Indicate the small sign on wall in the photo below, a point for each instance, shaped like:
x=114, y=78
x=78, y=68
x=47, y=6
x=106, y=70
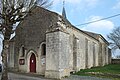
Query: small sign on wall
x=43, y=61
x=21, y=61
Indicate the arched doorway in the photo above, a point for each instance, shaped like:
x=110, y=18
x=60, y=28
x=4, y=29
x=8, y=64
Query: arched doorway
x=33, y=63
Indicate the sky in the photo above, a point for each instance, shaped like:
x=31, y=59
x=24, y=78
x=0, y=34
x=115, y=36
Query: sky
x=82, y=11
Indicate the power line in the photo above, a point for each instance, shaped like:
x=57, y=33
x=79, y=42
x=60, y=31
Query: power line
x=98, y=20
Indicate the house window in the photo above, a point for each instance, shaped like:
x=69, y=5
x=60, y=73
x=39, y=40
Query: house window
x=43, y=49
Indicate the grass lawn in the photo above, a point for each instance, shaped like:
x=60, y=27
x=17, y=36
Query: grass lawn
x=109, y=71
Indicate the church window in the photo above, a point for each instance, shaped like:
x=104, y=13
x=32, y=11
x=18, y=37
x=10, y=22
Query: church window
x=43, y=49
x=22, y=51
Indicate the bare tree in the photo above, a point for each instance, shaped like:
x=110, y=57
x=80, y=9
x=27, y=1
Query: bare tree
x=11, y=12
x=114, y=36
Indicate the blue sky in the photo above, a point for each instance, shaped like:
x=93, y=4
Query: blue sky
x=82, y=11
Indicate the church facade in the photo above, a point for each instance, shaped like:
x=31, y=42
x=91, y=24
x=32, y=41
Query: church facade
x=48, y=44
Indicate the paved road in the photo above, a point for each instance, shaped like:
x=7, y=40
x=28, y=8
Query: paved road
x=13, y=76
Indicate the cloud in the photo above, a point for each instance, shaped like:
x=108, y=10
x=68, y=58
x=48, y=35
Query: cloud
x=91, y=3
x=117, y=6
x=103, y=27
x=73, y=1
x=74, y=6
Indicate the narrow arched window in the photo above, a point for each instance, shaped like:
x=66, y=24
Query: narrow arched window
x=43, y=49
x=22, y=51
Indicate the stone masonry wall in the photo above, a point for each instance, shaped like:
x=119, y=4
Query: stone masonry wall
x=81, y=57
x=57, y=55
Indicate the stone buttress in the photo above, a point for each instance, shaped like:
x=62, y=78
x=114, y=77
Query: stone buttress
x=57, y=51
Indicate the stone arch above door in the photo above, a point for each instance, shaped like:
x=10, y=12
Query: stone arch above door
x=31, y=51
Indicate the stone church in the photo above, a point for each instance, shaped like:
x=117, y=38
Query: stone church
x=46, y=43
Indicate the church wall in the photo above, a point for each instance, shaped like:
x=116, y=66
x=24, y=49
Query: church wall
x=57, y=55
x=31, y=32
x=103, y=54
x=75, y=53
x=40, y=60
x=81, y=57
x=25, y=66
x=71, y=51
x=90, y=54
x=100, y=55
x=107, y=55
x=103, y=59
x=96, y=54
